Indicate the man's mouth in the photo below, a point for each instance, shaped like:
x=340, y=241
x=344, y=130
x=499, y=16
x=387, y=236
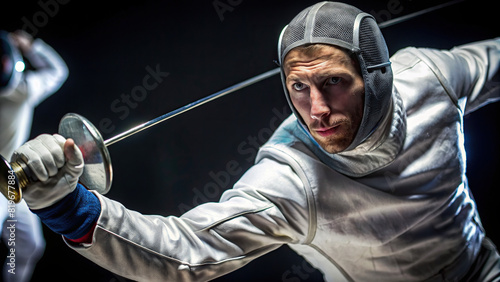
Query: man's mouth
x=327, y=131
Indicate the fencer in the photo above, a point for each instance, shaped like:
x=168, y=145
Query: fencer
x=21, y=90
x=366, y=179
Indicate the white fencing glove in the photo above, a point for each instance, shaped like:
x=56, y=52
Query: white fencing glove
x=56, y=165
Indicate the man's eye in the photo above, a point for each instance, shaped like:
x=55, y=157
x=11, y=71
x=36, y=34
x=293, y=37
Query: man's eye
x=334, y=80
x=298, y=86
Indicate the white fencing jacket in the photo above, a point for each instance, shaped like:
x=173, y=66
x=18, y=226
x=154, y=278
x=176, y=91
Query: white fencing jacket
x=18, y=105
x=396, y=208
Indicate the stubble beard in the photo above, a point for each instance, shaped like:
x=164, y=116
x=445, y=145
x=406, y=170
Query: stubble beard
x=339, y=141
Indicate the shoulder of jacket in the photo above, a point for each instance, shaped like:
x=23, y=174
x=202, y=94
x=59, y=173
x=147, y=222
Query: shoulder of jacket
x=405, y=59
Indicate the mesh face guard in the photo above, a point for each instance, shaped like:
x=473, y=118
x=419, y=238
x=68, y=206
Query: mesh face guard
x=347, y=27
x=9, y=77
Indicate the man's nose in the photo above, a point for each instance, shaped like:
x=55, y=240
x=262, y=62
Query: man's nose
x=319, y=104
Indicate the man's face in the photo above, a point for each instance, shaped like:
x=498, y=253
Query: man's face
x=328, y=92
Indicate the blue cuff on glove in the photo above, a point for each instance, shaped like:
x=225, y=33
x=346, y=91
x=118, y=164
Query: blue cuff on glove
x=74, y=215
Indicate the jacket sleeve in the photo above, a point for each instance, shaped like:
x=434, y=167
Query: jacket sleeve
x=469, y=73
x=50, y=72
x=255, y=217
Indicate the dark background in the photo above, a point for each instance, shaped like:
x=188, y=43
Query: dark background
x=165, y=169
